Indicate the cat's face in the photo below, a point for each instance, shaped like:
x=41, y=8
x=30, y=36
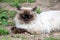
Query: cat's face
x=26, y=16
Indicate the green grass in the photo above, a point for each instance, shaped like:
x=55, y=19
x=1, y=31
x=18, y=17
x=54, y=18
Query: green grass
x=13, y=1
x=5, y=15
x=16, y=3
x=51, y=38
x=3, y=31
x=31, y=1
x=38, y=11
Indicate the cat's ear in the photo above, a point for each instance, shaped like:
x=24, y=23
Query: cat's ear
x=33, y=9
x=18, y=7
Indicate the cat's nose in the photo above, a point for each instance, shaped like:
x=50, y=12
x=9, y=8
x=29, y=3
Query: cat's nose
x=26, y=19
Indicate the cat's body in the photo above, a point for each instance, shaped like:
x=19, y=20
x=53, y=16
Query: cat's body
x=45, y=22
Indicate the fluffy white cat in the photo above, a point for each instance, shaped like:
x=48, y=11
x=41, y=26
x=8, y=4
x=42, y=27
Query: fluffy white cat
x=45, y=22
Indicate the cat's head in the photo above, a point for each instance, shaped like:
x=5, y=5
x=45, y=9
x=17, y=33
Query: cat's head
x=26, y=14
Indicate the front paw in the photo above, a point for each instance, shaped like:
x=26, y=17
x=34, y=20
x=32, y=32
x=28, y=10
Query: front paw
x=17, y=30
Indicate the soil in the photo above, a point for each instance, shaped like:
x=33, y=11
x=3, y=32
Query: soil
x=44, y=6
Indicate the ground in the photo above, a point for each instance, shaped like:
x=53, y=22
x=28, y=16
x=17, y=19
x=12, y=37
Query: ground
x=25, y=36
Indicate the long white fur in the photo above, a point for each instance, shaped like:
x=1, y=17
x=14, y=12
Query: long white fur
x=44, y=22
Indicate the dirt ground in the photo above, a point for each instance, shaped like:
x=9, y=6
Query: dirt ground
x=25, y=36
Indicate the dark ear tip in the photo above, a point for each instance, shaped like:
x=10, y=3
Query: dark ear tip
x=18, y=7
x=34, y=8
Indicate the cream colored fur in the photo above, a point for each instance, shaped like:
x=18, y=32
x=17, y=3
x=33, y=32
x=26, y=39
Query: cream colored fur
x=45, y=22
